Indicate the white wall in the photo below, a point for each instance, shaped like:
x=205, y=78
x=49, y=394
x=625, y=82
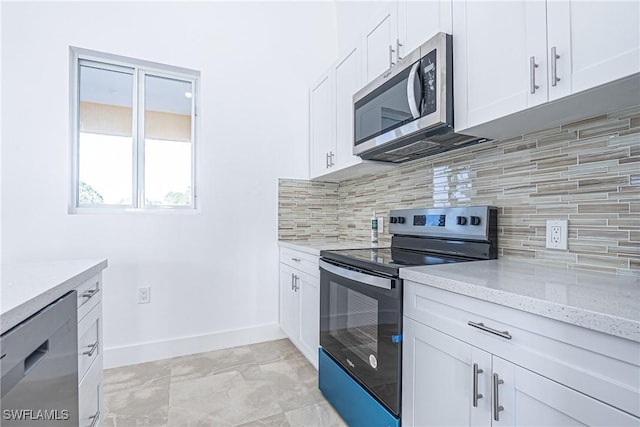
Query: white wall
x=210, y=273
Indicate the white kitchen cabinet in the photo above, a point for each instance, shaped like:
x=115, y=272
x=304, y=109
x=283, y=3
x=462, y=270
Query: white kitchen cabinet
x=333, y=156
x=322, y=138
x=397, y=28
x=300, y=301
x=289, y=302
x=418, y=21
x=512, y=56
x=90, y=368
x=596, y=42
x=379, y=40
x=529, y=399
x=530, y=370
x=437, y=379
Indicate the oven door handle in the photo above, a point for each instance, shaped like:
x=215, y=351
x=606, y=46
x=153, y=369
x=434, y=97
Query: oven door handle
x=380, y=282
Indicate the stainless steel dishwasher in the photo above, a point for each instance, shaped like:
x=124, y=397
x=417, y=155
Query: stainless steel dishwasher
x=39, y=367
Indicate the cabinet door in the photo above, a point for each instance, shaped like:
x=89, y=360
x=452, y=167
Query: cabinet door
x=496, y=42
x=438, y=378
x=289, y=303
x=596, y=41
x=348, y=79
x=530, y=399
x=420, y=20
x=321, y=123
x=379, y=42
x=309, y=295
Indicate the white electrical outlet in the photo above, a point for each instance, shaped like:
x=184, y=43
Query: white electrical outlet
x=144, y=295
x=557, y=232
x=380, y=226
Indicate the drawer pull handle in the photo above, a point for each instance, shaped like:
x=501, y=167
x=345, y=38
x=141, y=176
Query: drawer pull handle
x=92, y=348
x=481, y=326
x=95, y=419
x=476, y=395
x=91, y=292
x=296, y=259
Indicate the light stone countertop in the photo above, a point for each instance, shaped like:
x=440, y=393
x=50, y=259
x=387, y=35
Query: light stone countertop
x=314, y=247
x=603, y=302
x=27, y=288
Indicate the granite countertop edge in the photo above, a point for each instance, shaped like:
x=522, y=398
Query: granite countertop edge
x=15, y=315
x=607, y=323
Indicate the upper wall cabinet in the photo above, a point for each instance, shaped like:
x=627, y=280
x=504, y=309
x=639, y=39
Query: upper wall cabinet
x=397, y=28
x=322, y=142
x=331, y=122
x=510, y=56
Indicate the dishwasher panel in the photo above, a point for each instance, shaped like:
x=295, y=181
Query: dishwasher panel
x=39, y=368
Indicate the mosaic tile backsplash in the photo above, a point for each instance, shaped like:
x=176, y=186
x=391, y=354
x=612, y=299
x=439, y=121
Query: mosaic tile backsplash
x=587, y=172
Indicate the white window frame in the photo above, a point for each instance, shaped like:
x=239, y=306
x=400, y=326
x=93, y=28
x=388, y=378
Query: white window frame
x=139, y=69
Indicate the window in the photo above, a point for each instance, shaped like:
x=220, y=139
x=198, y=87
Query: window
x=133, y=133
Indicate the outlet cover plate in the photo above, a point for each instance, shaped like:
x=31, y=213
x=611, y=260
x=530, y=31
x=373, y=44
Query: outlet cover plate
x=144, y=295
x=380, y=225
x=557, y=233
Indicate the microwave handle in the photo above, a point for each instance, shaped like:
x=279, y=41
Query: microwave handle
x=411, y=95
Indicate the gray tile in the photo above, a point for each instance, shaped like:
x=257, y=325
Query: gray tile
x=272, y=351
x=279, y=420
x=294, y=382
x=315, y=415
x=203, y=364
x=224, y=399
x=144, y=406
x=136, y=376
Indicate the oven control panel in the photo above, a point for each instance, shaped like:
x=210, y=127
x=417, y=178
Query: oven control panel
x=469, y=222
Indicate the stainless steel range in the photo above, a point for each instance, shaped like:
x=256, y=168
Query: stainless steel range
x=361, y=305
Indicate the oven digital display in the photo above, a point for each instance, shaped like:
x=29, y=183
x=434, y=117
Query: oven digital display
x=429, y=220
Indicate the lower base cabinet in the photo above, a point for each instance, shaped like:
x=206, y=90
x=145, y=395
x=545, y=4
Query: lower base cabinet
x=443, y=374
x=455, y=374
x=300, y=301
x=90, y=372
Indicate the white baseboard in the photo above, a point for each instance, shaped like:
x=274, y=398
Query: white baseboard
x=165, y=349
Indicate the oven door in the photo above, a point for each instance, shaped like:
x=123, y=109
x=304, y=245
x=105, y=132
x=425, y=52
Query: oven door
x=361, y=327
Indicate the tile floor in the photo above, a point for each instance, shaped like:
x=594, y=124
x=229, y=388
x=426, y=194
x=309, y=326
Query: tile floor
x=265, y=384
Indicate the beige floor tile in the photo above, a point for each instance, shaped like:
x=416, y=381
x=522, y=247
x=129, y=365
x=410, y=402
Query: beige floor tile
x=136, y=376
x=203, y=364
x=224, y=399
x=320, y=414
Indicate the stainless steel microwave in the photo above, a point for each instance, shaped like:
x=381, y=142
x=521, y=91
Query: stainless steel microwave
x=407, y=112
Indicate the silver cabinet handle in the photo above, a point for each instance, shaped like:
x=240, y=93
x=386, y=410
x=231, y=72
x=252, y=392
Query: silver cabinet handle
x=330, y=154
x=292, y=280
x=411, y=95
x=91, y=292
x=476, y=395
x=496, y=403
x=554, y=69
x=92, y=348
x=532, y=71
x=326, y=161
x=398, y=46
x=295, y=259
x=391, y=51
x=295, y=283
x=481, y=326
x=95, y=419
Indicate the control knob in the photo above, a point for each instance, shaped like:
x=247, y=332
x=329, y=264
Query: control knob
x=461, y=220
x=393, y=219
x=475, y=220
x=400, y=220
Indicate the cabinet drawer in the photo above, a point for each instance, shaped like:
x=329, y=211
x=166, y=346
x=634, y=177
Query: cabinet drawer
x=89, y=340
x=594, y=363
x=300, y=260
x=89, y=295
x=90, y=396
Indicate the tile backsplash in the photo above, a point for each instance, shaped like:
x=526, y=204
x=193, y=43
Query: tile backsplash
x=587, y=172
